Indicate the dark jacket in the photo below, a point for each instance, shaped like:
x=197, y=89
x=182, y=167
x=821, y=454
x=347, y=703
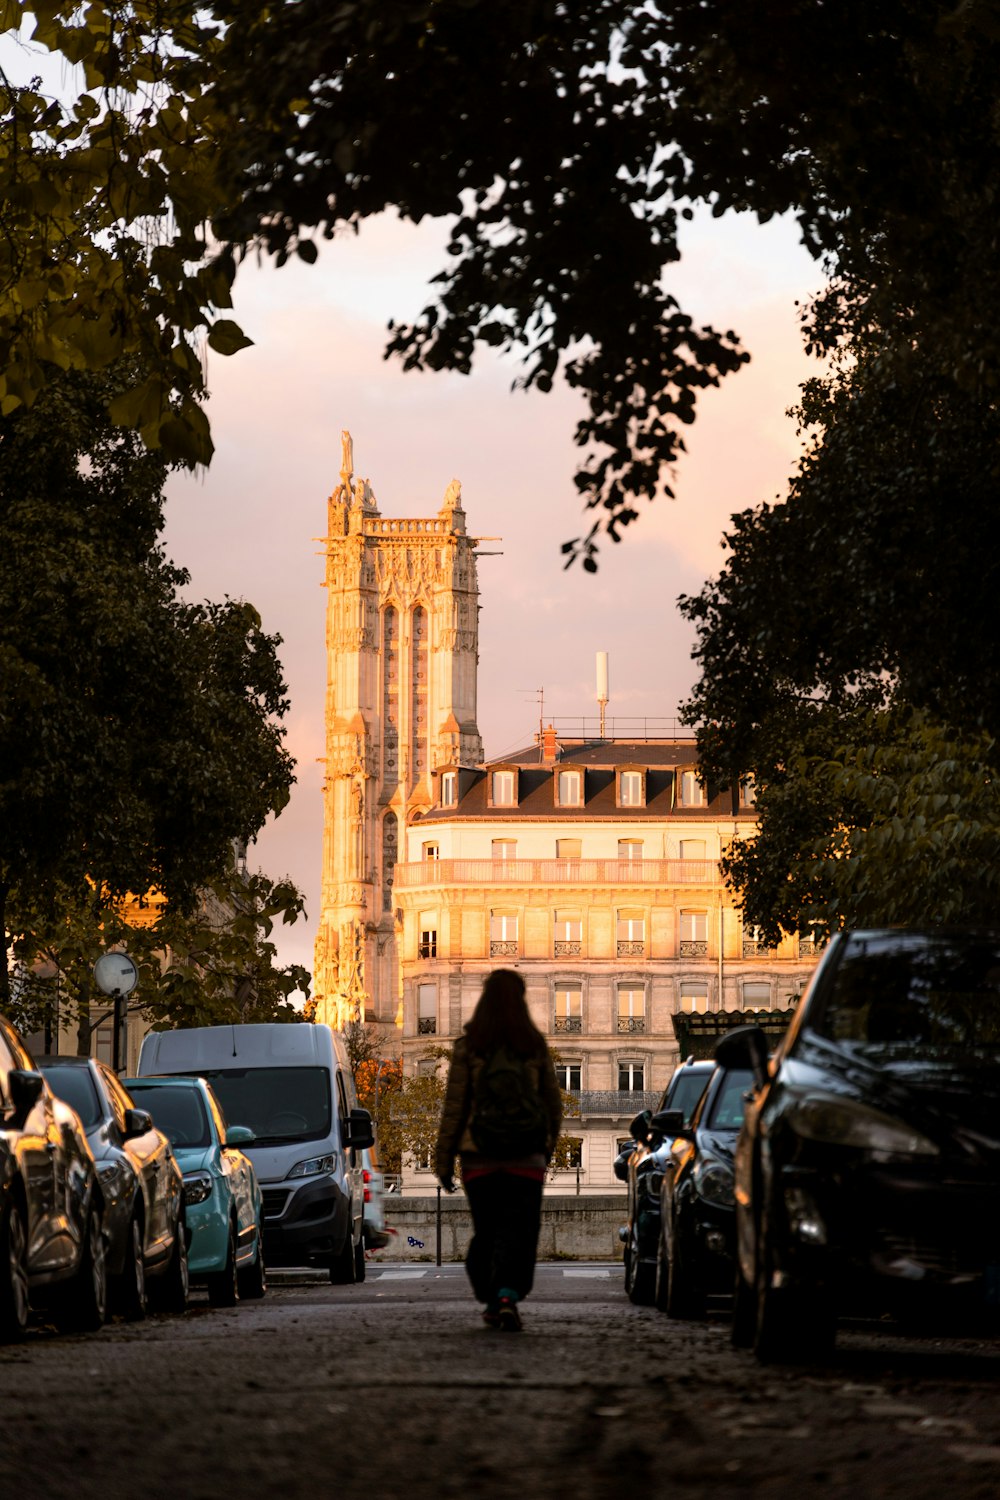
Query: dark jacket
x=454, y=1136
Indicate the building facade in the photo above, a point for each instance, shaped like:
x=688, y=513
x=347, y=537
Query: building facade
x=402, y=641
x=591, y=866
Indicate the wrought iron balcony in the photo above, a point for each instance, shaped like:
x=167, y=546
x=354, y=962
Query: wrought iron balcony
x=567, y=948
x=427, y=1025
x=631, y=1024
x=503, y=948
x=631, y=948
x=694, y=948
x=617, y=1104
x=753, y=949
x=568, y=1023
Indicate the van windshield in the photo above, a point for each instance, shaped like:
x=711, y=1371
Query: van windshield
x=278, y=1104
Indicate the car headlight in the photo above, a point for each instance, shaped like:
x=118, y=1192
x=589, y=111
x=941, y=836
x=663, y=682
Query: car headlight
x=840, y=1122
x=314, y=1165
x=197, y=1186
x=714, y=1182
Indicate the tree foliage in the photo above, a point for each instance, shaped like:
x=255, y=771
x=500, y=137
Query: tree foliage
x=140, y=734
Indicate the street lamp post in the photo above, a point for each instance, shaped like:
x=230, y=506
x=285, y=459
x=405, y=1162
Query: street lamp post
x=115, y=974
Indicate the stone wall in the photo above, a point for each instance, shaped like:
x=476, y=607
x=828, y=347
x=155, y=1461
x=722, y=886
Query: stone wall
x=584, y=1228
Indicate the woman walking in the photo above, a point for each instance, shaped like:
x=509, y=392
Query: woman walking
x=501, y=1115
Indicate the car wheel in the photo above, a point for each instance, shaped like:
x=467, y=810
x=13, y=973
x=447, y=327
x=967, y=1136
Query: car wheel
x=662, y=1274
x=792, y=1324
x=344, y=1270
x=83, y=1304
x=169, y=1292
x=639, y=1277
x=253, y=1279
x=223, y=1286
x=14, y=1301
x=130, y=1291
x=685, y=1297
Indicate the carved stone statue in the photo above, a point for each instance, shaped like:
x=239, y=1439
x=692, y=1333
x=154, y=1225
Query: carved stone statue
x=346, y=455
x=453, y=495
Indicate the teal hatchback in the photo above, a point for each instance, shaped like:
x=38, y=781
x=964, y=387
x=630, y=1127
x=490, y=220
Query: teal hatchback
x=222, y=1200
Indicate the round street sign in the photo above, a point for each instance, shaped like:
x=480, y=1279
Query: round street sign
x=115, y=974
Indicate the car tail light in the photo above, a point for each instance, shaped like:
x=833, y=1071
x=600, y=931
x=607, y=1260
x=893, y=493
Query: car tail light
x=366, y=1178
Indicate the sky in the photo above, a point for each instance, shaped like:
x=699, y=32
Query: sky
x=247, y=527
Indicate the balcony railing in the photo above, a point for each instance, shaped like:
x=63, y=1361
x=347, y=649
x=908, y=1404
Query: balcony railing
x=503, y=947
x=567, y=948
x=619, y=1104
x=493, y=874
x=568, y=1023
x=753, y=949
x=694, y=948
x=631, y=1024
x=427, y=1025
x=631, y=948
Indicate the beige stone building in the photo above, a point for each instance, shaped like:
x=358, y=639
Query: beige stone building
x=402, y=653
x=588, y=861
x=592, y=866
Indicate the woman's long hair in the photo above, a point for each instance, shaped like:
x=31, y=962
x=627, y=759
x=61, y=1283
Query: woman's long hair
x=501, y=1018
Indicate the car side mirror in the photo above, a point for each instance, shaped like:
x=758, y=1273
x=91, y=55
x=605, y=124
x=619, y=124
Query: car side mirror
x=639, y=1128
x=620, y=1168
x=746, y=1047
x=26, y=1089
x=358, y=1130
x=137, y=1122
x=240, y=1135
x=668, y=1123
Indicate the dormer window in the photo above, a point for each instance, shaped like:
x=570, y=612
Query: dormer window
x=631, y=789
x=692, y=791
x=569, y=788
x=449, y=788
x=503, y=788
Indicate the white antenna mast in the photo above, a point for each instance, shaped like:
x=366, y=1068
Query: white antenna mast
x=602, y=685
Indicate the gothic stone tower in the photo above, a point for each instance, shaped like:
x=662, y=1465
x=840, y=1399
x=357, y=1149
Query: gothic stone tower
x=402, y=639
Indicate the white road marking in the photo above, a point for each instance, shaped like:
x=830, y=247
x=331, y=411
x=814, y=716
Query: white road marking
x=595, y=1273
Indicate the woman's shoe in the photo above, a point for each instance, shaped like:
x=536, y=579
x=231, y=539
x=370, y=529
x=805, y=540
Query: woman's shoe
x=509, y=1319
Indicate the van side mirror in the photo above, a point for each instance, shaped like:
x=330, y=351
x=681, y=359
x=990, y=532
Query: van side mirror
x=746, y=1047
x=25, y=1091
x=358, y=1130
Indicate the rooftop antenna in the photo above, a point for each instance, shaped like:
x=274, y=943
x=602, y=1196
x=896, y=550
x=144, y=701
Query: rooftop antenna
x=602, y=685
x=540, y=695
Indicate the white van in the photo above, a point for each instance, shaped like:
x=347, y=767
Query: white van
x=292, y=1086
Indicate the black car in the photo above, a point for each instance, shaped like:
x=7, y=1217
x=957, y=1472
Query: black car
x=694, y=1173
x=868, y=1171
x=51, y=1204
x=142, y=1184
x=638, y=1167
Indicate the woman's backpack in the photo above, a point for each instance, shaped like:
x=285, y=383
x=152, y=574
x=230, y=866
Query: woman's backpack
x=508, y=1118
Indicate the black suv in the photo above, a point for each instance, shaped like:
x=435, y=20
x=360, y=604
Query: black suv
x=52, y=1247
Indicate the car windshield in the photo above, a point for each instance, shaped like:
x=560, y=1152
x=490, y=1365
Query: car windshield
x=179, y=1112
x=278, y=1104
x=75, y=1087
x=727, y=1106
x=687, y=1090
x=916, y=996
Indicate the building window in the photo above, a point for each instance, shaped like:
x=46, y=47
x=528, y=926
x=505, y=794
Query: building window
x=692, y=791
x=449, y=788
x=503, y=934
x=569, y=1008
x=631, y=930
x=754, y=945
x=631, y=792
x=390, y=835
x=811, y=943
x=503, y=849
x=631, y=1008
x=569, y=1155
x=568, y=935
x=568, y=848
x=694, y=996
x=694, y=934
x=426, y=1009
x=629, y=851
x=748, y=792
x=569, y=788
x=427, y=946
x=431, y=851
x=568, y=1076
x=427, y=1067
x=694, y=849
x=631, y=1077
x=756, y=994
x=502, y=788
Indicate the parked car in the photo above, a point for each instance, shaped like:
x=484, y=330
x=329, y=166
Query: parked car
x=222, y=1199
x=291, y=1083
x=868, y=1169
x=142, y=1186
x=375, y=1232
x=51, y=1204
x=694, y=1257
x=640, y=1169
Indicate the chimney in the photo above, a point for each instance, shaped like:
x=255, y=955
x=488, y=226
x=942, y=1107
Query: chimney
x=550, y=749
